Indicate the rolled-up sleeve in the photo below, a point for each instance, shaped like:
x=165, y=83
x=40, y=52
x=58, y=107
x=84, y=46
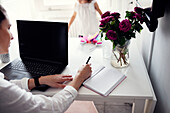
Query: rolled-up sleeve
x=23, y=83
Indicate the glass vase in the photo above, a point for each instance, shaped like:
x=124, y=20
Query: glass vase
x=120, y=55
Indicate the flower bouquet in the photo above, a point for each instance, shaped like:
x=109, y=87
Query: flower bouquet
x=120, y=32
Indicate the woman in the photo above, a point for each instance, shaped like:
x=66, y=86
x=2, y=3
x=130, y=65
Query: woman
x=14, y=97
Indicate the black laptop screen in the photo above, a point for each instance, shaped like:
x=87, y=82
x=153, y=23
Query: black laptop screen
x=42, y=40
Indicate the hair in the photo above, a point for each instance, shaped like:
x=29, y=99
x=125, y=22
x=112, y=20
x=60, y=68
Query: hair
x=2, y=14
x=88, y=1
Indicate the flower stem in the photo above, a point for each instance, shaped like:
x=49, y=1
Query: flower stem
x=121, y=56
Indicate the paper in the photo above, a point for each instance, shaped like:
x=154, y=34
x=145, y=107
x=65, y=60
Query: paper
x=103, y=80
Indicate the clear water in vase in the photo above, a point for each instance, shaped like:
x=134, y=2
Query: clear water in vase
x=120, y=55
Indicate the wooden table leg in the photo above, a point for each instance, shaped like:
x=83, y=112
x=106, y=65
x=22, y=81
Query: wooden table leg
x=138, y=106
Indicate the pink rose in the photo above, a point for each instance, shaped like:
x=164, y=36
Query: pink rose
x=115, y=15
x=105, y=14
x=111, y=35
x=125, y=25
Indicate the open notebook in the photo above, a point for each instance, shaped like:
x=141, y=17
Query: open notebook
x=103, y=80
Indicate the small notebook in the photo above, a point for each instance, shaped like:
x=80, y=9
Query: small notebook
x=103, y=80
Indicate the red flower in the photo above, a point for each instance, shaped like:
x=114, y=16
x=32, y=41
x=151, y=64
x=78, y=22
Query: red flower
x=105, y=14
x=115, y=15
x=125, y=25
x=106, y=20
x=140, y=18
x=102, y=25
x=133, y=15
x=111, y=35
x=138, y=10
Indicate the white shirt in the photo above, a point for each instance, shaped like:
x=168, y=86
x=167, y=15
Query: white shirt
x=14, y=98
x=86, y=19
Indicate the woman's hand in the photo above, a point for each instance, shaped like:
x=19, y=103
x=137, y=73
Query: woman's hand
x=55, y=80
x=82, y=75
x=84, y=72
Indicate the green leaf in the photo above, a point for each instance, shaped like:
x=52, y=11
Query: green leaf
x=138, y=27
x=102, y=34
x=112, y=22
x=122, y=41
x=115, y=42
x=132, y=35
x=114, y=45
x=103, y=29
x=127, y=14
x=106, y=38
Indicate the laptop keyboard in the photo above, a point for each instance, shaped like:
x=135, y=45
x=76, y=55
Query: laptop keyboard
x=34, y=67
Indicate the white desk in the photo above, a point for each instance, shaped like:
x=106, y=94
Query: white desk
x=136, y=89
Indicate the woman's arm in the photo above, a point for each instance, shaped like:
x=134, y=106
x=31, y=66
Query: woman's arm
x=16, y=99
x=56, y=80
x=97, y=8
x=51, y=80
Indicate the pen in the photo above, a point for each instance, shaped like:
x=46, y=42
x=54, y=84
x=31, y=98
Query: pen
x=88, y=59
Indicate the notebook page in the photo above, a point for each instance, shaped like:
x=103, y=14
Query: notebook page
x=105, y=80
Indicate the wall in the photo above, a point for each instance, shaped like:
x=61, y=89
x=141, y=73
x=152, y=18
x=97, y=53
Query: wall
x=145, y=38
x=18, y=9
x=159, y=70
x=144, y=42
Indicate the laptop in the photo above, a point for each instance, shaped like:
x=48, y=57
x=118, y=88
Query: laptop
x=43, y=49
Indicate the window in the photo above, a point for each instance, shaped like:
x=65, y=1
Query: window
x=58, y=2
